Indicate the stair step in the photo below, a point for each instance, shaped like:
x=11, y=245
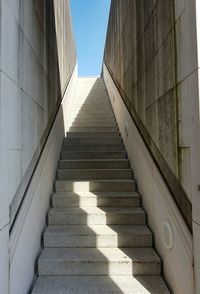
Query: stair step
x=93, y=135
x=93, y=155
x=101, y=261
x=111, y=185
x=100, y=284
x=90, y=147
x=98, y=236
x=87, y=124
x=93, y=141
x=92, y=117
x=92, y=110
x=97, y=239
x=100, y=101
x=93, y=174
x=95, y=129
x=83, y=119
x=101, y=114
x=94, y=163
x=96, y=216
x=100, y=199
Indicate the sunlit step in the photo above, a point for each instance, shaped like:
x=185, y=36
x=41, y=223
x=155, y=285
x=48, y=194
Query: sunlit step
x=98, y=236
x=96, y=116
x=111, y=185
x=101, y=261
x=100, y=284
x=100, y=199
x=96, y=216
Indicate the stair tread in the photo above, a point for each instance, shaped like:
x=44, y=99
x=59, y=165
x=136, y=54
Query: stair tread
x=95, y=169
x=100, y=284
x=103, y=180
x=92, y=228
x=93, y=151
x=96, y=194
x=85, y=230
x=96, y=210
x=95, y=160
x=101, y=254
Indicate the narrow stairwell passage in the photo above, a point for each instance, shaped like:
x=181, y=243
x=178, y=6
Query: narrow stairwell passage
x=97, y=239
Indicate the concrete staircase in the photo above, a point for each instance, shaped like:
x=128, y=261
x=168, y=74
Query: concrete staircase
x=97, y=239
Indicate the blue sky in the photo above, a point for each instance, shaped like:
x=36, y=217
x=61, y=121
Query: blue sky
x=90, y=18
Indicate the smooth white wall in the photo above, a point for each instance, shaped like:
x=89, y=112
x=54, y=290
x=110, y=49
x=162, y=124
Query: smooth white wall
x=25, y=240
x=157, y=201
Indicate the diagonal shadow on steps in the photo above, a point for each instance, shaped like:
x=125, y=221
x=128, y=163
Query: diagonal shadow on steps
x=108, y=243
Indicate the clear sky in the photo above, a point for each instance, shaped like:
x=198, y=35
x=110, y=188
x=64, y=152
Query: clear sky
x=90, y=19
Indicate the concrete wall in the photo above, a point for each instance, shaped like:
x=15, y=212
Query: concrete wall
x=151, y=54
x=25, y=238
x=156, y=199
x=194, y=91
x=37, y=58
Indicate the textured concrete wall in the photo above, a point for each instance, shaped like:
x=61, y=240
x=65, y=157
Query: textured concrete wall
x=151, y=54
x=37, y=57
x=157, y=201
x=140, y=52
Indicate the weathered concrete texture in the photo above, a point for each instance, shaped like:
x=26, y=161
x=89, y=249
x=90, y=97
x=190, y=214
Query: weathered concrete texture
x=35, y=35
x=33, y=43
x=141, y=56
x=156, y=199
x=140, y=52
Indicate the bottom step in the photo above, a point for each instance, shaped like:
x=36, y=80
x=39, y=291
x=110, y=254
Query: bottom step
x=101, y=261
x=100, y=285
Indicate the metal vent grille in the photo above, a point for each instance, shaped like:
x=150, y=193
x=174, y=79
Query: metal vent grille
x=167, y=234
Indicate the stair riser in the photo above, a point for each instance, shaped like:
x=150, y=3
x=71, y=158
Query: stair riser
x=121, y=268
x=69, y=147
x=93, y=202
x=93, y=155
x=93, y=135
x=92, y=118
x=89, y=108
x=96, y=219
x=122, y=164
x=92, y=110
x=87, y=141
x=100, y=241
x=78, y=174
x=92, y=102
x=62, y=186
x=100, y=284
x=101, y=114
x=90, y=129
x=94, y=124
